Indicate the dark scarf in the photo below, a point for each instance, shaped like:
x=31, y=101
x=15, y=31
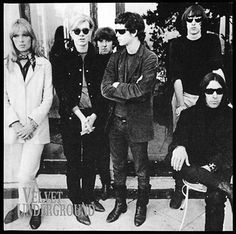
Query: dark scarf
x=30, y=56
x=30, y=61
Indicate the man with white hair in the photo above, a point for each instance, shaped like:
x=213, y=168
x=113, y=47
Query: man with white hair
x=79, y=95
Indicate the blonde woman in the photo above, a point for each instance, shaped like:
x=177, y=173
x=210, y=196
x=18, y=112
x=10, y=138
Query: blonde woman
x=27, y=100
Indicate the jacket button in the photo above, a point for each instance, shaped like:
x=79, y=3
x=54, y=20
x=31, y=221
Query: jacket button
x=80, y=69
x=79, y=96
x=86, y=70
x=80, y=83
x=70, y=118
x=88, y=83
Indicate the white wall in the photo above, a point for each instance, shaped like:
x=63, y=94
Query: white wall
x=106, y=14
x=11, y=13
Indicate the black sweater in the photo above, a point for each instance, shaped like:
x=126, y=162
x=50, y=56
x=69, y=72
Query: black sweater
x=190, y=60
x=206, y=133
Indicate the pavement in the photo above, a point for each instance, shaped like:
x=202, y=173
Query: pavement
x=160, y=217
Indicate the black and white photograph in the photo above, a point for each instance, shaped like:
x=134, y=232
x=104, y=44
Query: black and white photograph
x=118, y=116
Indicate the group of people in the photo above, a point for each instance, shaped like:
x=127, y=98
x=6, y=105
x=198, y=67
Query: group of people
x=106, y=107
x=201, y=149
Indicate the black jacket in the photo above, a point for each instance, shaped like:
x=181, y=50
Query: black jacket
x=68, y=72
x=99, y=67
x=137, y=96
x=191, y=60
x=206, y=133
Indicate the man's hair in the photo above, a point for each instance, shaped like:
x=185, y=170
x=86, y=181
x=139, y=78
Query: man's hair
x=81, y=19
x=105, y=33
x=205, y=82
x=132, y=22
x=194, y=10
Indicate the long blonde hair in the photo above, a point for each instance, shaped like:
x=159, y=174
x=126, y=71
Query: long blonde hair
x=13, y=52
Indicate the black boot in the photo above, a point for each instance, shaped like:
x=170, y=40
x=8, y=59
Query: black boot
x=120, y=205
x=227, y=188
x=12, y=215
x=35, y=220
x=105, y=191
x=177, y=197
x=214, y=215
x=141, y=207
x=97, y=206
x=80, y=214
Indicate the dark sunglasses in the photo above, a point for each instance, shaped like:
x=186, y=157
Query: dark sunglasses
x=120, y=31
x=77, y=31
x=197, y=19
x=211, y=91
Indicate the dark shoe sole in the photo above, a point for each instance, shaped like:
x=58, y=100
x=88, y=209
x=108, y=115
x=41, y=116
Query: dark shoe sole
x=11, y=216
x=139, y=224
x=175, y=203
x=99, y=207
x=113, y=220
x=176, y=207
x=35, y=225
x=82, y=221
x=98, y=210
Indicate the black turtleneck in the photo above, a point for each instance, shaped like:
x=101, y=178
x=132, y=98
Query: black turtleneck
x=206, y=134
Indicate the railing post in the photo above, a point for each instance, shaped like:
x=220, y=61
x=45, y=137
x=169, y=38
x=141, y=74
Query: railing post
x=24, y=9
x=94, y=14
x=120, y=8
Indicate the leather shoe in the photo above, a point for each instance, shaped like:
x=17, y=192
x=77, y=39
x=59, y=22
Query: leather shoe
x=120, y=207
x=80, y=214
x=12, y=215
x=35, y=220
x=176, y=200
x=140, y=215
x=97, y=206
x=105, y=192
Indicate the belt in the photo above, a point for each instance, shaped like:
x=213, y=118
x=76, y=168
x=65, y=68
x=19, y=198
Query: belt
x=122, y=119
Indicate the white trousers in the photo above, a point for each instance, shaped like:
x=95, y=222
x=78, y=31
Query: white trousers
x=189, y=100
x=28, y=167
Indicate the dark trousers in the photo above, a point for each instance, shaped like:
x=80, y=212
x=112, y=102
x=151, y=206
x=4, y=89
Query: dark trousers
x=103, y=158
x=80, y=152
x=119, y=143
x=215, y=199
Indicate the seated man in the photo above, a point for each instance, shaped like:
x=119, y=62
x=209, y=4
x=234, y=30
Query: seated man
x=202, y=147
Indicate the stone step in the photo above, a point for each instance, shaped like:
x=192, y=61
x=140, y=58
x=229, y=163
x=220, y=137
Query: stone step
x=58, y=181
x=58, y=166
x=162, y=187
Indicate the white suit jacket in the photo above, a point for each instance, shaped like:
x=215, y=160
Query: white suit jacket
x=30, y=98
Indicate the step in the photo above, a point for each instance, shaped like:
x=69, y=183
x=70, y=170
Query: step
x=58, y=181
x=162, y=187
x=58, y=166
